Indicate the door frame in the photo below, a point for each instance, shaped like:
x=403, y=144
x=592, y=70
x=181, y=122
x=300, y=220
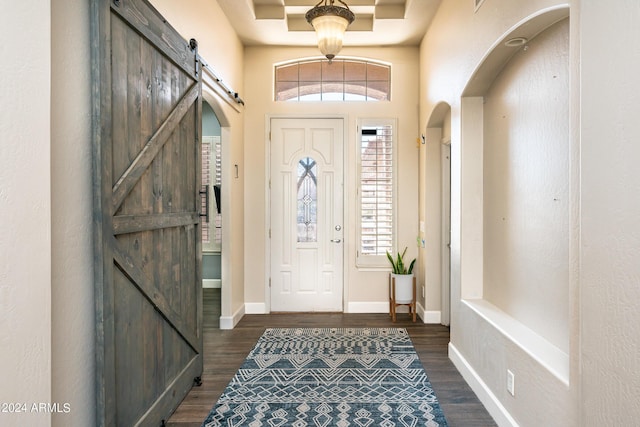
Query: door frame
x=446, y=230
x=216, y=102
x=346, y=177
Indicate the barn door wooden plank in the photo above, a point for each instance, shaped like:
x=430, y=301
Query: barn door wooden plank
x=151, y=149
x=146, y=139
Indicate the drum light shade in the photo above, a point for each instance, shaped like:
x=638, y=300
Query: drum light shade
x=330, y=23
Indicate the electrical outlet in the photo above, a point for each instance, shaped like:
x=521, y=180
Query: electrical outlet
x=511, y=383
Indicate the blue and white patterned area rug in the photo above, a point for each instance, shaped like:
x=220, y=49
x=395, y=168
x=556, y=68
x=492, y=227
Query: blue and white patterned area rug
x=325, y=377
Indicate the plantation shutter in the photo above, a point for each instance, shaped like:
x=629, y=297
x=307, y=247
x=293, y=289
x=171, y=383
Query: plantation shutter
x=206, y=186
x=376, y=190
x=212, y=179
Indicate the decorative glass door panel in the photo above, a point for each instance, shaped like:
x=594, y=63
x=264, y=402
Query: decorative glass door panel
x=307, y=201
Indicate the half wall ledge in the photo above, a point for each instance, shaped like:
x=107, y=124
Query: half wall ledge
x=548, y=355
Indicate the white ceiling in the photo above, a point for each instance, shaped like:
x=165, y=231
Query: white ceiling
x=282, y=22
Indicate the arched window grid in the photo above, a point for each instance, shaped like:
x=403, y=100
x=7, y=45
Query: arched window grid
x=346, y=79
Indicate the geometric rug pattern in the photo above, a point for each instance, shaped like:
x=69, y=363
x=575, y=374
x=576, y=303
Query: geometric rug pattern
x=321, y=377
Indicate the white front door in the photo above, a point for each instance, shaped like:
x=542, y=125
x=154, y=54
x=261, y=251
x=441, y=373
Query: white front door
x=306, y=203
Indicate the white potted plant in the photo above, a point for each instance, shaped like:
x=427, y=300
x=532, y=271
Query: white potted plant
x=403, y=277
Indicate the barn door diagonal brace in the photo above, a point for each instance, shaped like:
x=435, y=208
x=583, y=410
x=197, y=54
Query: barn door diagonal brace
x=144, y=158
x=160, y=303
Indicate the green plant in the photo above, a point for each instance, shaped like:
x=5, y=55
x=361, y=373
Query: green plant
x=398, y=265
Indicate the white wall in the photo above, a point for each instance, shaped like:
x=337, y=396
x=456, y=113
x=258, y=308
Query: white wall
x=25, y=209
x=366, y=287
x=610, y=213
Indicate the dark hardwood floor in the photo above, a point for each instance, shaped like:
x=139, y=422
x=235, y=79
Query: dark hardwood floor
x=225, y=350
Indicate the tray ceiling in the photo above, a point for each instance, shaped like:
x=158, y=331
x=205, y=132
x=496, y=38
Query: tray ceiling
x=282, y=22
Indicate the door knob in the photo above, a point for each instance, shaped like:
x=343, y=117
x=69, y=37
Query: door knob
x=336, y=240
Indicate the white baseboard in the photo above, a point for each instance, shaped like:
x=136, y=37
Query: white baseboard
x=212, y=283
x=229, y=322
x=383, y=307
x=368, y=307
x=255, y=308
x=356, y=307
x=480, y=388
x=434, y=317
x=431, y=316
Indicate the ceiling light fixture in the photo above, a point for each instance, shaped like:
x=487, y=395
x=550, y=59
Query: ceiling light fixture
x=330, y=22
x=516, y=42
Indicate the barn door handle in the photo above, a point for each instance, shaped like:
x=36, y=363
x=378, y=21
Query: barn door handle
x=205, y=193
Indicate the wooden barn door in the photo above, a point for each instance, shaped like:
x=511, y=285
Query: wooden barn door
x=147, y=121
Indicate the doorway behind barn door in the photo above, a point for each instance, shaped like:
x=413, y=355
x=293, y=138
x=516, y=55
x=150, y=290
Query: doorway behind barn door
x=212, y=204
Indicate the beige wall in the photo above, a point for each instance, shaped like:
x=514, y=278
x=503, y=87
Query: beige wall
x=609, y=220
x=366, y=287
x=72, y=355
x=218, y=43
x=25, y=209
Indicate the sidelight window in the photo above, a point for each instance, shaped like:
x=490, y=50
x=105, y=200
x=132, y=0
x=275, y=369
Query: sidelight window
x=376, y=191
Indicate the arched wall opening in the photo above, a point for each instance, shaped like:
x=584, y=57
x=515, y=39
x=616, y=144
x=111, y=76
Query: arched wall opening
x=515, y=198
x=216, y=264
x=435, y=208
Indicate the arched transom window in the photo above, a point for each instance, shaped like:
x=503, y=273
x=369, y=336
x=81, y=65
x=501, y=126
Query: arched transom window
x=338, y=80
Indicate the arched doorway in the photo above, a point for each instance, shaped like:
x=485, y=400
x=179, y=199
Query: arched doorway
x=436, y=205
x=216, y=130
